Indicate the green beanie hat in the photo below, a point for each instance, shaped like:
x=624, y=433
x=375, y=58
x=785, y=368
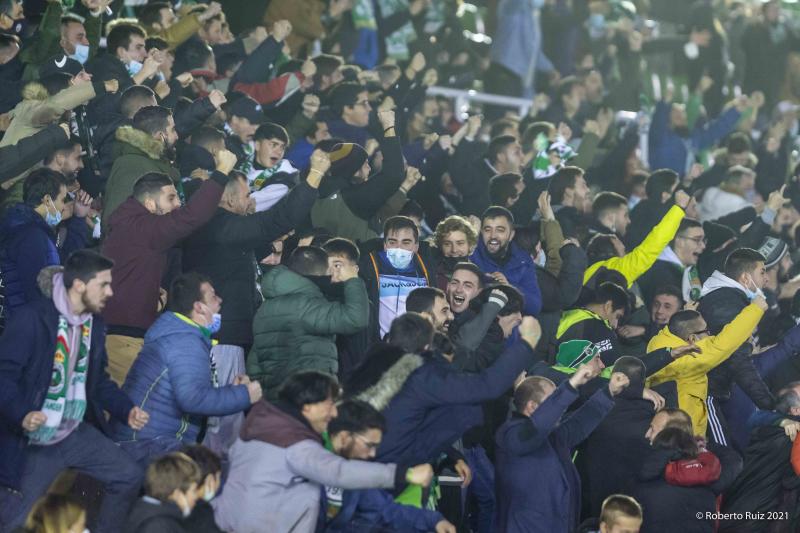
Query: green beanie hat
x=574, y=353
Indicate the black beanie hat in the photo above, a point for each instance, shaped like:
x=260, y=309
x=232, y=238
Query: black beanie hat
x=717, y=234
x=346, y=159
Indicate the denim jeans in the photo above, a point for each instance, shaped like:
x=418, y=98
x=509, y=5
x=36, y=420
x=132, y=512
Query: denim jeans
x=481, y=488
x=88, y=451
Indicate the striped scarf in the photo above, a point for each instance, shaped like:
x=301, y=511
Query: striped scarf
x=65, y=400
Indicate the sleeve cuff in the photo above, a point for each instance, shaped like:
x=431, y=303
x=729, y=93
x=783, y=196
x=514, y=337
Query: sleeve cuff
x=99, y=87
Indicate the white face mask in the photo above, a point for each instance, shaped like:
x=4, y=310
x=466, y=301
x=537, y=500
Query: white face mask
x=134, y=67
x=399, y=257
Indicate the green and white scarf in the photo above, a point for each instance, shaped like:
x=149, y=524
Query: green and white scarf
x=397, y=42
x=65, y=400
x=363, y=15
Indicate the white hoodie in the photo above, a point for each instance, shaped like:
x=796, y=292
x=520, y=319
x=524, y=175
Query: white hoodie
x=718, y=280
x=717, y=203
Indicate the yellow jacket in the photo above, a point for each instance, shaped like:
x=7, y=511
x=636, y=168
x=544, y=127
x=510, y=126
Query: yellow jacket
x=691, y=373
x=640, y=259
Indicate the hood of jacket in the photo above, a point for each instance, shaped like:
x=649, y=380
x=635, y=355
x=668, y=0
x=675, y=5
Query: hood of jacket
x=718, y=280
x=45, y=279
x=277, y=424
x=171, y=325
x=17, y=216
x=35, y=91
x=140, y=141
x=391, y=380
x=280, y=281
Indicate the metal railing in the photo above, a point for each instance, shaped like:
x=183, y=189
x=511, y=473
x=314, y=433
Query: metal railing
x=463, y=97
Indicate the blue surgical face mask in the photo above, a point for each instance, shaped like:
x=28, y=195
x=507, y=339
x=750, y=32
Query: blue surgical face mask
x=216, y=323
x=399, y=258
x=134, y=67
x=208, y=494
x=81, y=54
x=751, y=294
x=52, y=219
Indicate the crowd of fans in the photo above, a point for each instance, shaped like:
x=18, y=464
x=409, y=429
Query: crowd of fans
x=258, y=277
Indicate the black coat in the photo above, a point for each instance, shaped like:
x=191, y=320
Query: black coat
x=661, y=274
x=644, y=217
x=766, y=478
x=104, y=139
x=148, y=517
x=17, y=158
x=558, y=293
x=719, y=308
x=202, y=519
x=573, y=223
x=471, y=173
x=614, y=453
x=103, y=68
x=670, y=508
x=224, y=248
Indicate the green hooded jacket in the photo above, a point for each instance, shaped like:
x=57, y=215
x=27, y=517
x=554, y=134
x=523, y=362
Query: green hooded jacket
x=295, y=328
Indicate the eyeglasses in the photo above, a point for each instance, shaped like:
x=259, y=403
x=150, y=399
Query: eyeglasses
x=697, y=240
x=369, y=444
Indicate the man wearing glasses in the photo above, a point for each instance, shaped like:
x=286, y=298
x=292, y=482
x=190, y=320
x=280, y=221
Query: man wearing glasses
x=350, y=103
x=356, y=434
x=691, y=373
x=677, y=264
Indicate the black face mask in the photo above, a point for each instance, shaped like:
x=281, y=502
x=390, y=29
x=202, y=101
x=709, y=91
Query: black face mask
x=451, y=262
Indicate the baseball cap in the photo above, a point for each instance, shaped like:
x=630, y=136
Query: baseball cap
x=58, y=64
x=246, y=107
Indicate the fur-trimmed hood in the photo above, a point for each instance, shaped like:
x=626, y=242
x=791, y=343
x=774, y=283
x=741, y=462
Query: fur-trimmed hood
x=45, y=279
x=35, y=91
x=142, y=141
x=381, y=393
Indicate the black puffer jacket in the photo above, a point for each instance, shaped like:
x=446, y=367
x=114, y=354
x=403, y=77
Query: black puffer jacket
x=671, y=508
x=767, y=483
x=719, y=307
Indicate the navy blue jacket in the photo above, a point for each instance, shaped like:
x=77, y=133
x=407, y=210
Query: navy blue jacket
x=27, y=245
x=171, y=380
x=27, y=350
x=519, y=269
x=438, y=403
x=537, y=486
x=670, y=150
x=365, y=511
